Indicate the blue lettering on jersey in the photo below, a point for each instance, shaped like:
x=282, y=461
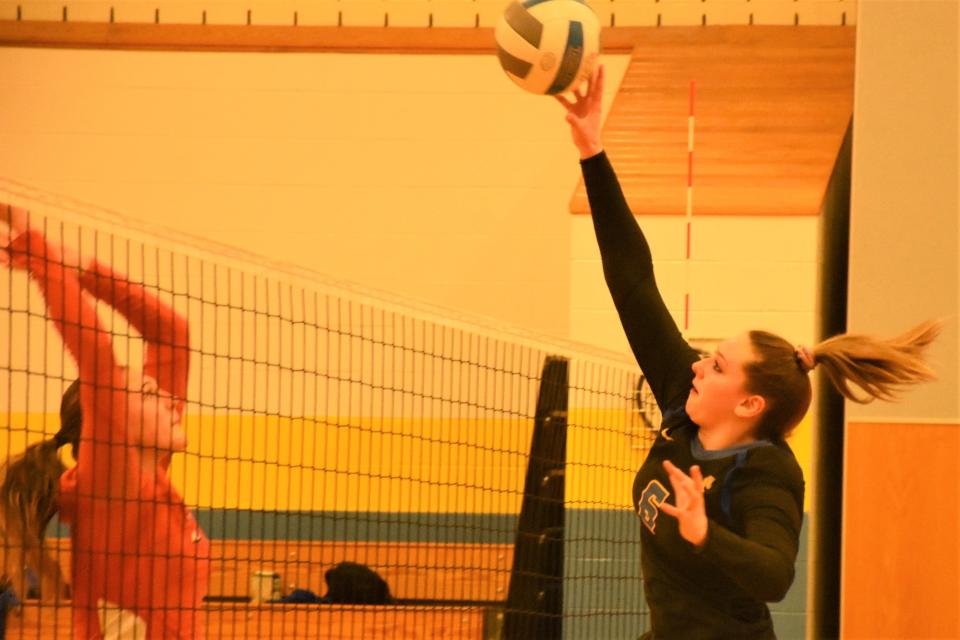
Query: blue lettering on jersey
x=651, y=499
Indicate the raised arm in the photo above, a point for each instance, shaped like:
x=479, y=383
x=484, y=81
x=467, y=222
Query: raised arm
x=166, y=333
x=660, y=349
x=77, y=321
x=662, y=353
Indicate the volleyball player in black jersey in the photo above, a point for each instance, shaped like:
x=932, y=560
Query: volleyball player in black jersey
x=720, y=494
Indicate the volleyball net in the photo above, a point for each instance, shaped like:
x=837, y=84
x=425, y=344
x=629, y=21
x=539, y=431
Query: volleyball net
x=482, y=472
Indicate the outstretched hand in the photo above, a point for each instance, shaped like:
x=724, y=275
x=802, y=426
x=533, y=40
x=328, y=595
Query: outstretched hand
x=584, y=114
x=14, y=221
x=690, y=511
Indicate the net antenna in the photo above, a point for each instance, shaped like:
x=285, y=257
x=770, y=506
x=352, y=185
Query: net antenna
x=534, y=607
x=645, y=404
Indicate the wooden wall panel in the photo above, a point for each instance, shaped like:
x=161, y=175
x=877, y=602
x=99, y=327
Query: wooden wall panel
x=413, y=570
x=318, y=622
x=275, y=38
x=901, y=547
x=771, y=107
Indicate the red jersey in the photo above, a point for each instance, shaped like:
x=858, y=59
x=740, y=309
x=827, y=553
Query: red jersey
x=135, y=544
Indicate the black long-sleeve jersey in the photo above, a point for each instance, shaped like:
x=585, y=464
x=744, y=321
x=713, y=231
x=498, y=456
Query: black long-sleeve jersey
x=753, y=493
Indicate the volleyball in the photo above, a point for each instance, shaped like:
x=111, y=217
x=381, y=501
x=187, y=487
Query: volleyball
x=545, y=46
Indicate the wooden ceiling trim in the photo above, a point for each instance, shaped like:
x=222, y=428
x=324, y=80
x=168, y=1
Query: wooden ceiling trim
x=271, y=38
x=772, y=106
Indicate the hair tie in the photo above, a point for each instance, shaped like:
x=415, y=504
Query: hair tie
x=805, y=359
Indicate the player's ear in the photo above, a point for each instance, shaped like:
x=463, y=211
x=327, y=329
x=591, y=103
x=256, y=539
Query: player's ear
x=750, y=407
x=149, y=385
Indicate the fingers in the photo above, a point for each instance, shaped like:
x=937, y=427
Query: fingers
x=670, y=510
x=15, y=218
x=688, y=505
x=677, y=477
x=5, y=259
x=697, y=476
x=675, y=481
x=596, y=83
x=694, y=479
x=681, y=492
x=690, y=488
x=566, y=103
x=675, y=472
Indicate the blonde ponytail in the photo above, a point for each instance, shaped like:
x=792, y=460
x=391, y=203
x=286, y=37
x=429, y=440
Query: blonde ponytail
x=877, y=367
x=29, y=491
x=28, y=499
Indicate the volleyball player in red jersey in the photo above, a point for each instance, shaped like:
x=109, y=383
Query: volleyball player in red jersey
x=139, y=561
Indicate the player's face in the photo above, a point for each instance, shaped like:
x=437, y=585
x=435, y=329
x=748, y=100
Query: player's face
x=154, y=415
x=719, y=383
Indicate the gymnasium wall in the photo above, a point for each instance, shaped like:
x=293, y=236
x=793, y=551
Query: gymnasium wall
x=429, y=176
x=901, y=569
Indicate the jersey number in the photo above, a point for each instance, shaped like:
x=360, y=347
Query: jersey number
x=650, y=501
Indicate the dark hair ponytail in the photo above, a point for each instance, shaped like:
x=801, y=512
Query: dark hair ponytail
x=71, y=419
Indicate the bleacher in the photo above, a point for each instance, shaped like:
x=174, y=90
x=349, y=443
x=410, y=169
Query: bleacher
x=449, y=591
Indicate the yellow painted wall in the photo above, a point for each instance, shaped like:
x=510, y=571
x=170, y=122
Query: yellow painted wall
x=342, y=463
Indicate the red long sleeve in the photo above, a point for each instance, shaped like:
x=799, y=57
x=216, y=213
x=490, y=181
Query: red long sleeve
x=134, y=543
x=76, y=319
x=166, y=333
x=103, y=432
